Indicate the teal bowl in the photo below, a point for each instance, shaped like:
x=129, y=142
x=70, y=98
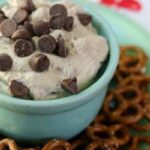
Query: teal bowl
x=39, y=121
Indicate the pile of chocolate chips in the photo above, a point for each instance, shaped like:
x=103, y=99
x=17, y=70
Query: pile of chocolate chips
x=20, y=30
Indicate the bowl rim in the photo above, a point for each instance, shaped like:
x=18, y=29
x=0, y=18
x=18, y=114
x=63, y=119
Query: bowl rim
x=83, y=96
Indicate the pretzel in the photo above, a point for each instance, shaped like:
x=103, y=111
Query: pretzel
x=132, y=114
x=8, y=143
x=146, y=103
x=104, y=120
x=135, y=50
x=12, y=145
x=98, y=132
x=57, y=144
x=101, y=146
x=126, y=112
x=36, y=148
x=146, y=99
x=113, y=105
x=120, y=75
x=132, y=63
x=29, y=149
x=130, y=93
x=120, y=133
x=146, y=107
x=141, y=81
x=147, y=111
x=80, y=143
x=113, y=135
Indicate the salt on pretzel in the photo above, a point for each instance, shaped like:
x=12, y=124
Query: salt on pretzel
x=132, y=63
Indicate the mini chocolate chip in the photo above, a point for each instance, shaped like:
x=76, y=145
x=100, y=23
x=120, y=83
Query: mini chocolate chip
x=69, y=23
x=47, y=44
x=58, y=9
x=28, y=5
x=41, y=28
x=8, y=27
x=21, y=34
x=5, y=62
x=85, y=19
x=2, y=18
x=23, y=48
x=1, y=12
x=29, y=27
x=20, y=16
x=21, y=27
x=57, y=22
x=39, y=63
x=70, y=85
x=61, y=50
x=19, y=90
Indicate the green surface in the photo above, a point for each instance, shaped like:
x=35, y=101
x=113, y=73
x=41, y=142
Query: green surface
x=127, y=33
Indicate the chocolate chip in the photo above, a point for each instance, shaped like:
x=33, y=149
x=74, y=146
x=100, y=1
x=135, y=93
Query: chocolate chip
x=5, y=62
x=29, y=27
x=21, y=27
x=69, y=23
x=2, y=18
x=39, y=63
x=61, y=50
x=1, y=12
x=57, y=22
x=8, y=27
x=28, y=5
x=85, y=19
x=21, y=34
x=20, y=16
x=19, y=90
x=47, y=44
x=70, y=85
x=23, y=48
x=41, y=28
x=58, y=9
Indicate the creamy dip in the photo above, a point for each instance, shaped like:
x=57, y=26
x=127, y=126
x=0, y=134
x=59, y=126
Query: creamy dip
x=87, y=52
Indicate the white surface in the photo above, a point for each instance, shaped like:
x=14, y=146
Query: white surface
x=140, y=16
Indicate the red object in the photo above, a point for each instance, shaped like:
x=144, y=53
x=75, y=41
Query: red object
x=130, y=4
x=108, y=2
x=133, y=5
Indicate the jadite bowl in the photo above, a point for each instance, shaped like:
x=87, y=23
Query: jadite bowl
x=38, y=121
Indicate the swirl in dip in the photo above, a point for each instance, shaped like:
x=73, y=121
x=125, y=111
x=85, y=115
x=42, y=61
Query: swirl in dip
x=47, y=49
